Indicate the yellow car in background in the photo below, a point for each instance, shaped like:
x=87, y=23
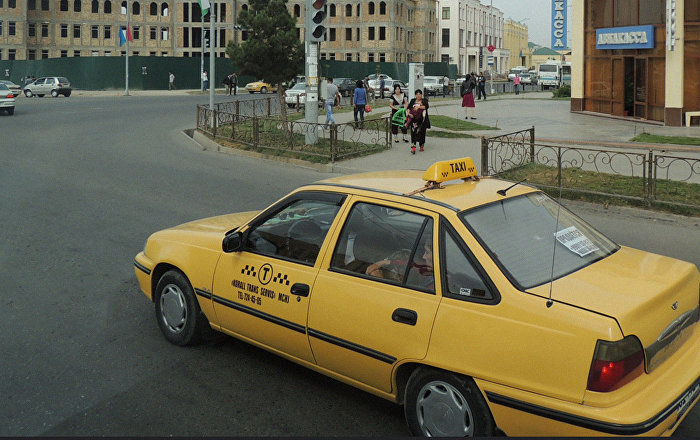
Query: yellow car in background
x=260, y=87
x=482, y=306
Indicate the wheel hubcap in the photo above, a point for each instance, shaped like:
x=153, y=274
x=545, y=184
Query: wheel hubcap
x=443, y=411
x=173, y=310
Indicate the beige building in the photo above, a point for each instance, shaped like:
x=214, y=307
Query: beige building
x=515, y=39
x=392, y=30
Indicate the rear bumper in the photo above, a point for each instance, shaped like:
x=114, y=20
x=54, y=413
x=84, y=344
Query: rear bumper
x=7, y=104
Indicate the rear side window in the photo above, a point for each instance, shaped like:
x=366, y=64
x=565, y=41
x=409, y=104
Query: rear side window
x=462, y=279
x=63, y=80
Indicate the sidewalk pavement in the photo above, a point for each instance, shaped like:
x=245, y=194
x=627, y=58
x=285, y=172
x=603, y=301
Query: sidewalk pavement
x=552, y=119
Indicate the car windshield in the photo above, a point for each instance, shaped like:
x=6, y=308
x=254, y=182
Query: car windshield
x=299, y=86
x=548, y=68
x=3, y=87
x=430, y=80
x=338, y=81
x=534, y=240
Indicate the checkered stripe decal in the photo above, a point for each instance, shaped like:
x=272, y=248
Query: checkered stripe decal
x=249, y=270
x=281, y=279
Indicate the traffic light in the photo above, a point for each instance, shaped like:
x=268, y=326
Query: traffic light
x=316, y=20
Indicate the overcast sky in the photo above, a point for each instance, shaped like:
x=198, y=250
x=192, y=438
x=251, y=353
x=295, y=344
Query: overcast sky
x=536, y=14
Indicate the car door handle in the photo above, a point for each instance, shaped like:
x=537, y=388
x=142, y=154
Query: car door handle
x=405, y=316
x=300, y=289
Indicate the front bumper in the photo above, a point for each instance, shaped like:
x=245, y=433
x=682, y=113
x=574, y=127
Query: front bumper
x=143, y=268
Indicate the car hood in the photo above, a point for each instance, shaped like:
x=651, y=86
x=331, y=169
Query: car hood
x=644, y=292
x=207, y=232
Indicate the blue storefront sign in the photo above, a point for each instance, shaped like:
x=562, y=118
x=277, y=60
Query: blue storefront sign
x=559, y=24
x=630, y=37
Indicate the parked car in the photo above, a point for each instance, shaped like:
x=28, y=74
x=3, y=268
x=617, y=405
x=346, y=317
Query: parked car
x=48, y=85
x=389, y=88
x=516, y=70
x=432, y=85
x=534, y=77
x=7, y=99
x=290, y=95
x=260, y=87
x=525, y=78
x=16, y=90
x=375, y=80
x=481, y=305
x=346, y=86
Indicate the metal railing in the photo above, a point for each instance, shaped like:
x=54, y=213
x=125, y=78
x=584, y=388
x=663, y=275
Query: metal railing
x=270, y=134
x=652, y=168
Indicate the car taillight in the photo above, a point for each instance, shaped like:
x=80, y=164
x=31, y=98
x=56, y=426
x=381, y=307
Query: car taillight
x=615, y=364
x=10, y=96
x=59, y=84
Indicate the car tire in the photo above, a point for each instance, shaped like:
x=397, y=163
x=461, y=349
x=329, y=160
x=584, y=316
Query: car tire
x=28, y=93
x=67, y=94
x=263, y=90
x=442, y=404
x=177, y=310
x=54, y=93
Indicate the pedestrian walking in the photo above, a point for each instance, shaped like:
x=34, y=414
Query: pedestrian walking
x=234, y=83
x=399, y=101
x=481, y=86
x=171, y=81
x=516, y=81
x=205, y=81
x=331, y=98
x=368, y=90
x=417, y=120
x=467, y=92
x=359, y=98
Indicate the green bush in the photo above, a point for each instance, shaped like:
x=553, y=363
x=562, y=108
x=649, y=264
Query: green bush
x=562, y=92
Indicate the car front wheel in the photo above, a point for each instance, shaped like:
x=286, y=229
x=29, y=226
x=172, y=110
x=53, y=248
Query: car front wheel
x=177, y=310
x=28, y=93
x=263, y=90
x=443, y=404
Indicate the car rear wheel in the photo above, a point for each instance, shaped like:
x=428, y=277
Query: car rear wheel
x=28, y=93
x=67, y=94
x=54, y=93
x=177, y=310
x=263, y=90
x=443, y=404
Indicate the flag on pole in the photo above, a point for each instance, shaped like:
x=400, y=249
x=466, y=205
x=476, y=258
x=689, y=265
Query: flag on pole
x=204, y=6
x=125, y=35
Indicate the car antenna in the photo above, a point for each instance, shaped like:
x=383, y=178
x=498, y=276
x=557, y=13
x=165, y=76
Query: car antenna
x=502, y=192
x=554, y=252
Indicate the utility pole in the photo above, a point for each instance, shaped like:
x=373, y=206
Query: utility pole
x=212, y=60
x=314, y=34
x=126, y=74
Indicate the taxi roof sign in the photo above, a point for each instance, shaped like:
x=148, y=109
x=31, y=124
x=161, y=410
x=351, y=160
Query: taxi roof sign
x=445, y=170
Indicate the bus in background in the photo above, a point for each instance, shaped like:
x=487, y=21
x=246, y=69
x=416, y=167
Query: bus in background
x=554, y=74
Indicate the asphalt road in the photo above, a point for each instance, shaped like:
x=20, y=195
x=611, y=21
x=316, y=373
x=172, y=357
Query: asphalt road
x=84, y=181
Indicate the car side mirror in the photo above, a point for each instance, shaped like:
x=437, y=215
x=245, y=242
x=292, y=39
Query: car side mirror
x=232, y=242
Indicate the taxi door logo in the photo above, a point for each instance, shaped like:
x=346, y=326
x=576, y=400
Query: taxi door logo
x=265, y=274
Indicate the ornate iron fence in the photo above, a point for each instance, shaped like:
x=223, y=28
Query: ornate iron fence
x=650, y=171
x=300, y=139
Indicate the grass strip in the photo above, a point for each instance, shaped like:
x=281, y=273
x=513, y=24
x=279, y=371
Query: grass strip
x=454, y=124
x=448, y=134
x=659, y=139
x=613, y=186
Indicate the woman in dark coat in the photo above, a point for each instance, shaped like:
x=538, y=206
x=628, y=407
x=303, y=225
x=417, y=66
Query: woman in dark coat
x=467, y=91
x=418, y=120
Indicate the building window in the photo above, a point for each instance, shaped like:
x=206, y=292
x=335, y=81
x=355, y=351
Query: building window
x=44, y=54
x=323, y=55
x=12, y=4
x=186, y=12
x=31, y=29
x=164, y=34
x=108, y=53
x=382, y=8
x=136, y=9
x=153, y=9
x=371, y=33
x=371, y=8
x=31, y=5
x=297, y=11
x=77, y=6
x=445, y=38
x=11, y=54
x=152, y=53
x=165, y=11
x=332, y=11
x=357, y=35
x=0, y=28
x=152, y=33
x=64, y=54
x=446, y=13
x=11, y=28
x=358, y=10
x=94, y=31
x=64, y=31
x=348, y=57
x=370, y=57
x=382, y=57
x=123, y=8
x=44, y=5
x=31, y=54
x=348, y=10
x=348, y=35
x=332, y=34
x=331, y=56
x=63, y=5
x=108, y=32
x=76, y=53
x=382, y=33
x=136, y=33
x=44, y=30
x=95, y=7
x=108, y=7
x=76, y=31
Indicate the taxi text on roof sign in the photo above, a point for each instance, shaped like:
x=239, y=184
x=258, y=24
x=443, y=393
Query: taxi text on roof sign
x=445, y=170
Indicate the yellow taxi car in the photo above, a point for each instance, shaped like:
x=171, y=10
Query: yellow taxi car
x=480, y=305
x=260, y=87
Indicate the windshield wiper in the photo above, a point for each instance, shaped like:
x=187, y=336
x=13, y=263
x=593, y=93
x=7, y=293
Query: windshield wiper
x=502, y=192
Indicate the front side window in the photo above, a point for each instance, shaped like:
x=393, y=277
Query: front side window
x=388, y=244
x=534, y=240
x=296, y=230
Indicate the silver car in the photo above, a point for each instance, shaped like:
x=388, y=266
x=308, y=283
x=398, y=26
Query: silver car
x=16, y=90
x=7, y=99
x=53, y=85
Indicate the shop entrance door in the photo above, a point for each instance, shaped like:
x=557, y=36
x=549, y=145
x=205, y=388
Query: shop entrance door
x=635, y=91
